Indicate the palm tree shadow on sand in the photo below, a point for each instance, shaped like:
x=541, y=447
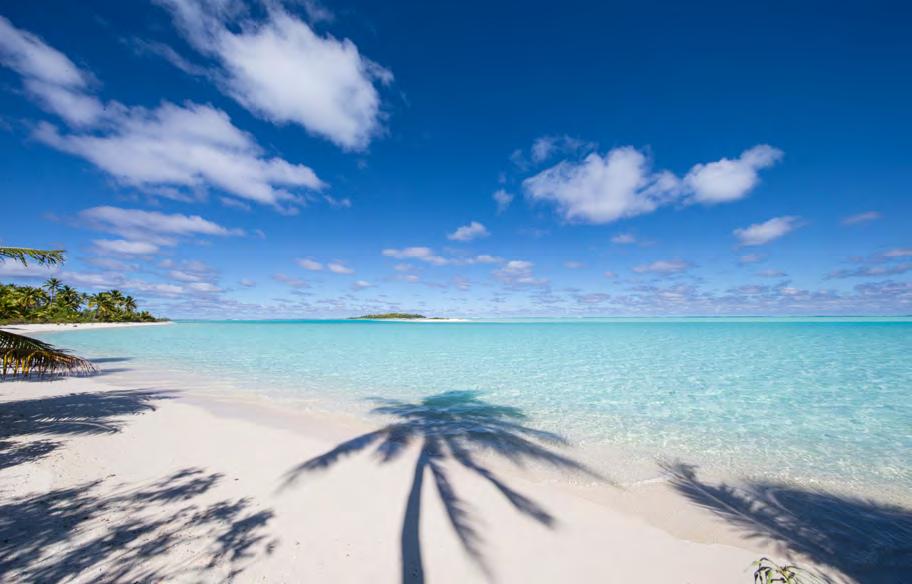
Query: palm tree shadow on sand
x=453, y=425
x=867, y=541
x=164, y=530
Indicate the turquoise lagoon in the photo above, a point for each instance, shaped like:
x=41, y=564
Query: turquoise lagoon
x=819, y=401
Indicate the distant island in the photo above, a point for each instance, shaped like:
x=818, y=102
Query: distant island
x=395, y=316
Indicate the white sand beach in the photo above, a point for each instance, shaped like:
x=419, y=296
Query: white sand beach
x=27, y=329
x=129, y=476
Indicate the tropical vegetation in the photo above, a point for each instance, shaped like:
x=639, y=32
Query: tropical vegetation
x=55, y=301
x=769, y=572
x=20, y=355
x=391, y=316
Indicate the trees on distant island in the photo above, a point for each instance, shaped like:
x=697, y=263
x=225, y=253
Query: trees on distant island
x=54, y=301
x=390, y=316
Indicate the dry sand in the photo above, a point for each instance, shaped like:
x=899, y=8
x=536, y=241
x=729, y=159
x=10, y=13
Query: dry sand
x=26, y=329
x=132, y=477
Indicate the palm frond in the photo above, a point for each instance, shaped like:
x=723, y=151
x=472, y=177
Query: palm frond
x=769, y=572
x=39, y=256
x=20, y=355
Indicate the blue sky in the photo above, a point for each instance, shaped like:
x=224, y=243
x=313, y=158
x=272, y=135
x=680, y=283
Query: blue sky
x=297, y=159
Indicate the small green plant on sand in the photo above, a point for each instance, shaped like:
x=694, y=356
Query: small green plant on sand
x=769, y=572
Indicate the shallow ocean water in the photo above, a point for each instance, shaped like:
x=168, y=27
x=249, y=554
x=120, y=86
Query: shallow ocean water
x=817, y=401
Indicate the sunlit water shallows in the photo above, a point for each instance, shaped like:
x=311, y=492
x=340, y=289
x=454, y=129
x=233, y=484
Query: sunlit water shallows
x=818, y=401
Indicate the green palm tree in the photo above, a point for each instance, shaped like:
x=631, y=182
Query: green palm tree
x=52, y=286
x=10, y=302
x=70, y=298
x=117, y=297
x=33, y=298
x=129, y=304
x=103, y=303
x=118, y=307
x=27, y=356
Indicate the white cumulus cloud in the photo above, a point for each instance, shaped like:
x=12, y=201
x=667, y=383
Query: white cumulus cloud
x=125, y=247
x=622, y=183
x=15, y=269
x=623, y=239
x=151, y=227
x=898, y=252
x=602, y=189
x=204, y=287
x=503, y=199
x=729, y=180
x=291, y=280
x=865, y=217
x=309, y=264
x=518, y=273
x=184, y=276
x=339, y=268
x=162, y=150
x=190, y=146
x=545, y=147
x=282, y=71
x=663, y=267
x=473, y=230
x=424, y=254
x=48, y=75
x=763, y=233
x=751, y=258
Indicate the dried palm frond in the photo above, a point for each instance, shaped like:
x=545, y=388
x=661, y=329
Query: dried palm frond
x=25, y=356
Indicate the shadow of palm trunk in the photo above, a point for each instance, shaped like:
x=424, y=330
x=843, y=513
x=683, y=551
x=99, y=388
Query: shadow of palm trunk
x=451, y=426
x=412, y=562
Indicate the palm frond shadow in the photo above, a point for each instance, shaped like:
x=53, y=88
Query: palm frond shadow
x=15, y=453
x=126, y=532
x=95, y=412
x=94, y=374
x=865, y=540
x=451, y=426
x=26, y=426
x=110, y=359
